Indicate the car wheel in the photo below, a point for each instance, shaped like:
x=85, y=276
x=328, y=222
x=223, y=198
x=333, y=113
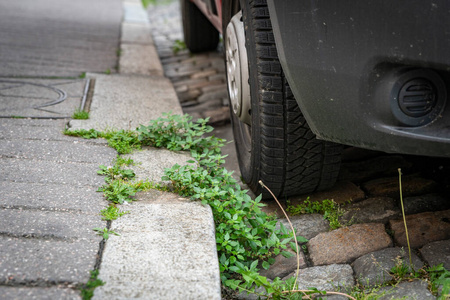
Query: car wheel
x=199, y=34
x=273, y=141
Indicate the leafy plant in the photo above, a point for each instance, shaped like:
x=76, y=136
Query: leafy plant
x=112, y=213
x=124, y=141
x=439, y=276
x=115, y=172
x=331, y=211
x=118, y=191
x=88, y=290
x=178, y=46
x=86, y=134
x=80, y=114
x=105, y=232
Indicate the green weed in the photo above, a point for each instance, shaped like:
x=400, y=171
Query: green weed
x=178, y=46
x=104, y=232
x=88, y=290
x=80, y=114
x=112, y=213
x=331, y=211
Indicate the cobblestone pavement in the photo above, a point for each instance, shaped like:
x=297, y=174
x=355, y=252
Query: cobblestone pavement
x=367, y=188
x=199, y=79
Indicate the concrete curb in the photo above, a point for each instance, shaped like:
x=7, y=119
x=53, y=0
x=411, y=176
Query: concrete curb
x=166, y=248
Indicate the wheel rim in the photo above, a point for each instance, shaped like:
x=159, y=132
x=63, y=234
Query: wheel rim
x=237, y=69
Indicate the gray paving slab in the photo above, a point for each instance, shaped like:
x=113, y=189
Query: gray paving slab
x=50, y=224
x=58, y=151
x=139, y=59
x=136, y=33
x=56, y=197
x=171, y=242
x=46, y=261
x=38, y=293
x=58, y=37
x=49, y=172
x=151, y=162
x=39, y=129
x=125, y=102
x=40, y=97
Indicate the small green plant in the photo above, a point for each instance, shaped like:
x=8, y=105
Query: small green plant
x=146, y=3
x=440, y=276
x=115, y=172
x=82, y=75
x=331, y=211
x=124, y=141
x=178, y=46
x=112, y=213
x=108, y=71
x=80, y=114
x=85, y=134
x=118, y=191
x=105, y=232
x=88, y=290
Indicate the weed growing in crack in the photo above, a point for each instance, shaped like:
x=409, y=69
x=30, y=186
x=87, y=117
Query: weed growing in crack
x=105, y=232
x=331, y=211
x=88, y=290
x=112, y=213
x=80, y=114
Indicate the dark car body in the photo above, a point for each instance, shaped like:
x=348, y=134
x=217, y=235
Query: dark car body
x=371, y=74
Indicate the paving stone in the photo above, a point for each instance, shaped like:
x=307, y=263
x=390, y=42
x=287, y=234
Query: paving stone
x=414, y=290
x=204, y=74
x=215, y=85
x=342, y=193
x=40, y=129
x=376, y=210
x=38, y=293
x=25, y=170
x=307, y=225
x=346, y=244
x=389, y=187
x=284, y=266
x=206, y=97
x=325, y=278
x=220, y=115
x=424, y=203
x=422, y=228
x=46, y=261
x=191, y=94
x=58, y=151
x=157, y=269
x=139, y=59
x=114, y=93
x=151, y=162
x=374, y=268
x=50, y=224
x=136, y=33
x=436, y=253
x=51, y=197
x=371, y=168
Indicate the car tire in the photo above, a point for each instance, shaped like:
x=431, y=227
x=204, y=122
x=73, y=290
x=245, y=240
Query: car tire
x=199, y=34
x=276, y=146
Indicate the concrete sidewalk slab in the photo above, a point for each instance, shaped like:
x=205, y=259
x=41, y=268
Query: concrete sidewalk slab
x=39, y=196
x=60, y=151
x=151, y=162
x=43, y=98
x=38, y=293
x=50, y=172
x=126, y=101
x=166, y=251
x=45, y=262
